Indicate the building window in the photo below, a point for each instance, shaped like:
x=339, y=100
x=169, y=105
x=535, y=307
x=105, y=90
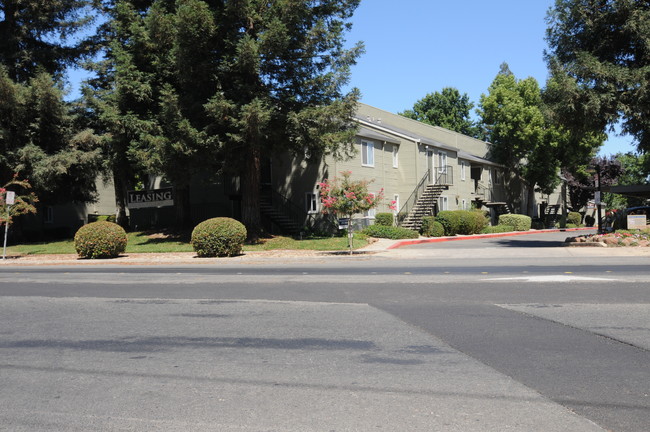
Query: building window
x=463, y=169
x=311, y=202
x=463, y=204
x=396, y=203
x=367, y=154
x=442, y=162
x=443, y=203
x=395, y=156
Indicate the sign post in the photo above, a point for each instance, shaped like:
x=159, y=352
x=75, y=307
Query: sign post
x=10, y=198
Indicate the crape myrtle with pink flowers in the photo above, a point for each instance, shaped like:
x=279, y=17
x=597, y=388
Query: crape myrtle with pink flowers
x=345, y=197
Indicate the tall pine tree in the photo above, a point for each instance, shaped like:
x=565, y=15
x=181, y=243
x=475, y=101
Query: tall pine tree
x=202, y=85
x=38, y=135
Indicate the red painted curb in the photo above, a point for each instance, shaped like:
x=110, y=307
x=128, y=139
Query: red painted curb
x=480, y=236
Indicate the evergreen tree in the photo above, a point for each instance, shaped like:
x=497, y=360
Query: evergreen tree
x=37, y=34
x=38, y=135
x=196, y=84
x=599, y=57
x=282, y=68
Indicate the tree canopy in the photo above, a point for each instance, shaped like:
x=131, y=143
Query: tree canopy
x=448, y=109
x=599, y=58
x=37, y=34
x=39, y=136
x=193, y=83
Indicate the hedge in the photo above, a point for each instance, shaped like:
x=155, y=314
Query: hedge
x=431, y=228
x=497, y=229
x=516, y=221
x=471, y=221
x=574, y=218
x=390, y=232
x=450, y=221
x=384, y=219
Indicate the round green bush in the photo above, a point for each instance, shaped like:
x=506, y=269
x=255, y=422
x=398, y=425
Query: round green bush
x=517, y=221
x=471, y=221
x=574, y=218
x=431, y=228
x=450, y=220
x=100, y=240
x=385, y=219
x=218, y=237
x=390, y=232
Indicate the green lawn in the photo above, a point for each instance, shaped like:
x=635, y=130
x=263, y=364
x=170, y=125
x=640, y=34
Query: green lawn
x=144, y=242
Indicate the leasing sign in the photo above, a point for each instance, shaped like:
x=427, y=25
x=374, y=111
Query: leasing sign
x=150, y=198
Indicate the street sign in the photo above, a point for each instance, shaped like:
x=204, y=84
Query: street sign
x=597, y=197
x=10, y=198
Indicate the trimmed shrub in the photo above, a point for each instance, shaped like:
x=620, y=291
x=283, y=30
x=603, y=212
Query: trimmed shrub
x=471, y=221
x=384, y=219
x=100, y=240
x=450, y=221
x=516, y=221
x=218, y=237
x=574, y=218
x=497, y=229
x=431, y=228
x=389, y=232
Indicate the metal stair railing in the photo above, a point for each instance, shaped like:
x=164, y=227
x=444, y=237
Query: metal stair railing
x=445, y=176
x=413, y=199
x=288, y=210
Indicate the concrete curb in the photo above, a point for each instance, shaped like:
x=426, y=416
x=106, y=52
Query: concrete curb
x=480, y=236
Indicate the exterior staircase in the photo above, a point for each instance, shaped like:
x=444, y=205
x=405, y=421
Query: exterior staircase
x=279, y=215
x=424, y=206
x=552, y=215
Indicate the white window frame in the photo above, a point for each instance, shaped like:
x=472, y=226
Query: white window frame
x=463, y=170
x=311, y=202
x=442, y=162
x=443, y=203
x=396, y=199
x=395, y=156
x=463, y=204
x=367, y=153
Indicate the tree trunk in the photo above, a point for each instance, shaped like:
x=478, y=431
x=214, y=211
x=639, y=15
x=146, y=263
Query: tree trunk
x=120, y=186
x=530, y=200
x=183, y=207
x=251, y=195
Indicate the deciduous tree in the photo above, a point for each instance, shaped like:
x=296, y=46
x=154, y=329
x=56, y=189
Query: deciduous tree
x=448, y=109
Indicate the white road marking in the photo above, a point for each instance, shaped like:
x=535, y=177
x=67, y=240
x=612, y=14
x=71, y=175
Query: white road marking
x=553, y=278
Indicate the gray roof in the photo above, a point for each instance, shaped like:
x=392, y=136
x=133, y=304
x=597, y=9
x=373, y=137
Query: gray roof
x=411, y=135
x=472, y=158
x=372, y=134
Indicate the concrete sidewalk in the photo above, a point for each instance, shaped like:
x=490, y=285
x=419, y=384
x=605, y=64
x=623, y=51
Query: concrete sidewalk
x=393, y=249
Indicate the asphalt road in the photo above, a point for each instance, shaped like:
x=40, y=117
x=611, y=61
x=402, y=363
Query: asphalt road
x=529, y=342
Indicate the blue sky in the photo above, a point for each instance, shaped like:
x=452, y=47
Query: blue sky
x=415, y=47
